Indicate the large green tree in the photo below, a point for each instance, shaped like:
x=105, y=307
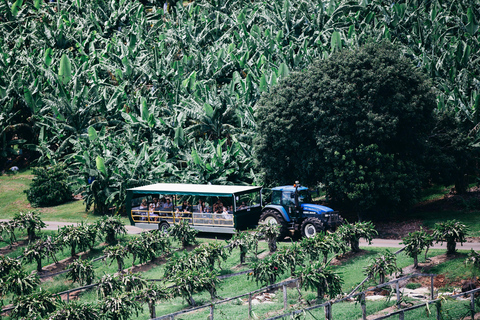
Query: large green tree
x=356, y=122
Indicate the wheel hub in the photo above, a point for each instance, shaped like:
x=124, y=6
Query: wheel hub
x=270, y=220
x=310, y=230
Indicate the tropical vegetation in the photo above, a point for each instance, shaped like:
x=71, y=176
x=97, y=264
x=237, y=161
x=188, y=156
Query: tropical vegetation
x=132, y=92
x=415, y=242
x=451, y=231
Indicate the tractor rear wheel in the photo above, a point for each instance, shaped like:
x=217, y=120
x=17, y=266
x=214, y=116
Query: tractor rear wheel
x=311, y=226
x=270, y=216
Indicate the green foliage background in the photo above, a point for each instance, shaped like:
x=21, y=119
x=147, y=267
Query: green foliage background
x=128, y=94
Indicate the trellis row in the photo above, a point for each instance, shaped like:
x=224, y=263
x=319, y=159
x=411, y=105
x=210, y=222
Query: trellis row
x=211, y=306
x=67, y=292
x=283, y=284
x=328, y=305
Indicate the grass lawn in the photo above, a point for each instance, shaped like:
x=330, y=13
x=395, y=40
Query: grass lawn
x=469, y=218
x=13, y=200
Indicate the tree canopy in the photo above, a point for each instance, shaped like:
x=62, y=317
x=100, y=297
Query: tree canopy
x=356, y=122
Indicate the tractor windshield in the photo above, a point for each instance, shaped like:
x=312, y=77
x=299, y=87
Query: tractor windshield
x=304, y=196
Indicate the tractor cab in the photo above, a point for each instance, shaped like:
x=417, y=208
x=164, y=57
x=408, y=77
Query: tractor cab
x=291, y=207
x=291, y=199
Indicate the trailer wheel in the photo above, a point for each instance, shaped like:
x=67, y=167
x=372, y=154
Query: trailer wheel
x=163, y=226
x=270, y=216
x=311, y=226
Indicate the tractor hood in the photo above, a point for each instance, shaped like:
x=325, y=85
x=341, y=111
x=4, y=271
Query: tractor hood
x=315, y=208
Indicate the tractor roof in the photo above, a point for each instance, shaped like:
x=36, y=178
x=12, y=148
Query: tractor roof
x=289, y=188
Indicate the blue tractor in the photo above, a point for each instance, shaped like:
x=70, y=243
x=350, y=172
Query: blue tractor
x=291, y=208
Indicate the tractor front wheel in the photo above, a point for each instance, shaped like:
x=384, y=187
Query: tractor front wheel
x=270, y=216
x=310, y=227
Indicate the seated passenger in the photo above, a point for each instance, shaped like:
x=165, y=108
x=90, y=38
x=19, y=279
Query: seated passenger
x=242, y=206
x=185, y=206
x=158, y=204
x=143, y=205
x=142, y=209
x=218, y=206
x=199, y=206
x=178, y=213
x=167, y=206
x=151, y=212
x=225, y=214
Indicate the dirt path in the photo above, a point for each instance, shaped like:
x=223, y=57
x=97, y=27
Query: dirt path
x=387, y=243
x=54, y=225
x=382, y=243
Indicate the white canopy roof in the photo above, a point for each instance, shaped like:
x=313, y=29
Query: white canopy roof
x=194, y=189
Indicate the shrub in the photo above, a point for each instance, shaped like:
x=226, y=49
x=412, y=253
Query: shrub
x=292, y=257
x=49, y=186
x=267, y=270
x=382, y=266
x=91, y=231
x=135, y=247
x=8, y=228
x=151, y=294
x=8, y=264
x=245, y=241
x=108, y=284
x=35, y=306
x=353, y=232
x=415, y=243
x=81, y=271
x=31, y=221
x=74, y=310
x=270, y=232
x=39, y=250
x=320, y=277
x=120, y=307
x=20, y=283
x=75, y=237
x=323, y=244
x=182, y=262
x=451, y=231
x=192, y=281
x=116, y=253
x=111, y=227
x=132, y=282
x=184, y=233
x=212, y=252
x=150, y=245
